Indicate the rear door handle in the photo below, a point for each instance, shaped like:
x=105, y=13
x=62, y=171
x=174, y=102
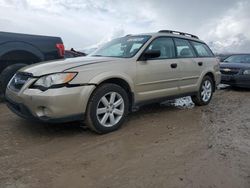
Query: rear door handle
x=173, y=65
x=200, y=63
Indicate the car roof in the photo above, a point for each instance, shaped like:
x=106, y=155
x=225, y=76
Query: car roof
x=171, y=34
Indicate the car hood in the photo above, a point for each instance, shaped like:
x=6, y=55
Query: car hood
x=63, y=65
x=235, y=65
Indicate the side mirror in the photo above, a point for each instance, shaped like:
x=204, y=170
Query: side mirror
x=150, y=54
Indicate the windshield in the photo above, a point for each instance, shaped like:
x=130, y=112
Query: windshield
x=124, y=47
x=238, y=59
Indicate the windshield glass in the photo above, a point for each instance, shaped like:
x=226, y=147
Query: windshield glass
x=124, y=47
x=238, y=59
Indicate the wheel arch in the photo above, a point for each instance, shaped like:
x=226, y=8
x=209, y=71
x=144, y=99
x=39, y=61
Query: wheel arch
x=20, y=46
x=212, y=76
x=122, y=81
x=18, y=52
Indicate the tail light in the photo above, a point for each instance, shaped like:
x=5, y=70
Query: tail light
x=61, y=50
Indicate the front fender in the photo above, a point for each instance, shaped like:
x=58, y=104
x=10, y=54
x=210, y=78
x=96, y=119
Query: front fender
x=112, y=75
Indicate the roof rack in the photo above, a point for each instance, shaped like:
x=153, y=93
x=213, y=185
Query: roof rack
x=178, y=33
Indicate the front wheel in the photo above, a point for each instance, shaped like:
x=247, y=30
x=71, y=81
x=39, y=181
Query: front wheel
x=205, y=92
x=107, y=108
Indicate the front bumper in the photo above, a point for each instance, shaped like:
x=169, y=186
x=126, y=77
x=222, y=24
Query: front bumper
x=236, y=80
x=54, y=105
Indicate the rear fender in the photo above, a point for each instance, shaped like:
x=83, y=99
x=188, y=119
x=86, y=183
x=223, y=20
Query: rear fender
x=20, y=46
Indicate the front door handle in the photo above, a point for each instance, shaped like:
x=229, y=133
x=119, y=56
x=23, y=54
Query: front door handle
x=173, y=65
x=200, y=63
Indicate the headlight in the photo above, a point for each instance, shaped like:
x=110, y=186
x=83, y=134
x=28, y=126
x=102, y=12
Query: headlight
x=246, y=71
x=54, y=80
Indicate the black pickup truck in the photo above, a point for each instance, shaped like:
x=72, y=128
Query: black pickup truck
x=18, y=50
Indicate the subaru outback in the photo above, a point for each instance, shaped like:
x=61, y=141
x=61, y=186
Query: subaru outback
x=119, y=77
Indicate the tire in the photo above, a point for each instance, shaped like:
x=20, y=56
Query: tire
x=204, y=97
x=112, y=111
x=7, y=74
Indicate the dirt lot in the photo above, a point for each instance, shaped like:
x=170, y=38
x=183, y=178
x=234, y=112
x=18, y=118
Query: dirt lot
x=159, y=146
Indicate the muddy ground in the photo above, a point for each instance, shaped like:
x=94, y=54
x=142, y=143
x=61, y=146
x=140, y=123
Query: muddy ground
x=159, y=146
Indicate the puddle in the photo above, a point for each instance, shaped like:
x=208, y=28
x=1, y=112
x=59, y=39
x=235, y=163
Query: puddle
x=183, y=103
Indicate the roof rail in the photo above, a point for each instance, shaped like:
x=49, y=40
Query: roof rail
x=178, y=33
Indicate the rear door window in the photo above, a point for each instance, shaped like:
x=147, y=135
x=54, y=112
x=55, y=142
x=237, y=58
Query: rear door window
x=183, y=48
x=202, y=49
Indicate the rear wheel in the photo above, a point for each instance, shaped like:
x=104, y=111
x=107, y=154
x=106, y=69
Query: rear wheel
x=7, y=74
x=107, y=108
x=205, y=92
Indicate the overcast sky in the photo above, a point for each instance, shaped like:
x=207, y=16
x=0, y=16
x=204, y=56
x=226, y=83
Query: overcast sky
x=223, y=24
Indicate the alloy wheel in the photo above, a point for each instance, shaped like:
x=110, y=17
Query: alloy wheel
x=206, y=91
x=110, y=109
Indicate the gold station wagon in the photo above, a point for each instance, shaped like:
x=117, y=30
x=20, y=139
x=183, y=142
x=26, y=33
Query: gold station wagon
x=122, y=75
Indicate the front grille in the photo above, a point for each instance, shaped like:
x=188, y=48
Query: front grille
x=229, y=71
x=18, y=81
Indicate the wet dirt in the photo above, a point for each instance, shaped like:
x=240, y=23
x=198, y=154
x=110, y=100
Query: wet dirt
x=159, y=146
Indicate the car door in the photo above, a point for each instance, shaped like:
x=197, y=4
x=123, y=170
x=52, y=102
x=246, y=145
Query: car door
x=158, y=77
x=205, y=56
x=189, y=69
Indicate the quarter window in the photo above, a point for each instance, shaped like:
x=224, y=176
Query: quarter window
x=165, y=45
x=202, y=49
x=183, y=48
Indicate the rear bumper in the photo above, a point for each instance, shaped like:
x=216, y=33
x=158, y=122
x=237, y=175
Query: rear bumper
x=236, y=80
x=217, y=78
